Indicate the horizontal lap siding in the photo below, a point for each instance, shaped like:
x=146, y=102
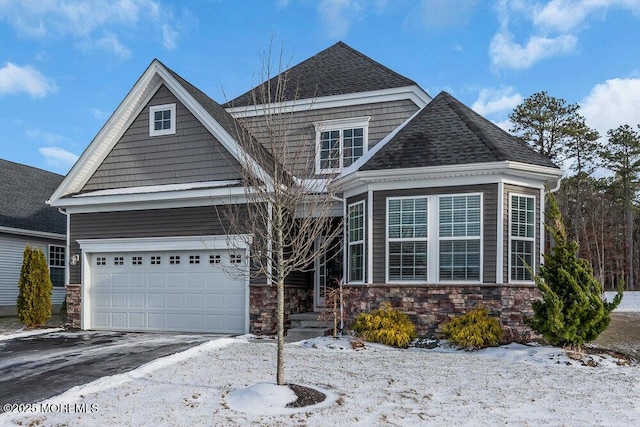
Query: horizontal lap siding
x=195, y=221
x=490, y=198
x=12, y=250
x=191, y=155
x=385, y=117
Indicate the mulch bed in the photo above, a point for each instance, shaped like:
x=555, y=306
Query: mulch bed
x=306, y=396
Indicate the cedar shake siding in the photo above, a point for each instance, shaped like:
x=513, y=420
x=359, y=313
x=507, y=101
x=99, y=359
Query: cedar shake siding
x=192, y=154
x=489, y=232
x=385, y=117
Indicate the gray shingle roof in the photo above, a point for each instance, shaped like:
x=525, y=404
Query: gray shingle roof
x=337, y=70
x=23, y=193
x=231, y=125
x=447, y=132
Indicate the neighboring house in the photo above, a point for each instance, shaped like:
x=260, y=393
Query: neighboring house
x=26, y=219
x=442, y=208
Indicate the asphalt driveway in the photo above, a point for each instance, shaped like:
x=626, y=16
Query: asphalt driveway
x=37, y=367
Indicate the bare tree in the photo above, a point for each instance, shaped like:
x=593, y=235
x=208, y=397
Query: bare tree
x=290, y=213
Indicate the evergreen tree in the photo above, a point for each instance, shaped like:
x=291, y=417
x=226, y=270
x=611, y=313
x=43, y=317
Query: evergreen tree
x=573, y=310
x=34, y=298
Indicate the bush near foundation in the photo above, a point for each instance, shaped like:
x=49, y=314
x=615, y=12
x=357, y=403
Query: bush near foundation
x=34, y=297
x=385, y=325
x=474, y=330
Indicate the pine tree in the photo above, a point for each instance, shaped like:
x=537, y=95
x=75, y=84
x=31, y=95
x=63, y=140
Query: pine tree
x=34, y=298
x=572, y=310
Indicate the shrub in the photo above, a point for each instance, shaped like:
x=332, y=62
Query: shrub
x=572, y=310
x=385, y=325
x=34, y=297
x=474, y=330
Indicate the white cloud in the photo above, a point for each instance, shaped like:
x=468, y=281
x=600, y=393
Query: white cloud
x=46, y=137
x=500, y=100
x=611, y=104
x=336, y=16
x=111, y=43
x=551, y=29
x=169, y=37
x=58, y=158
x=99, y=114
x=15, y=79
x=82, y=20
x=505, y=53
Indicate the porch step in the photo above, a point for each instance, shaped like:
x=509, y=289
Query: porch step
x=307, y=325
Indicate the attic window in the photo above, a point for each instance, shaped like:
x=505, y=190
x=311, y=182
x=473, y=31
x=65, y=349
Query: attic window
x=162, y=120
x=339, y=143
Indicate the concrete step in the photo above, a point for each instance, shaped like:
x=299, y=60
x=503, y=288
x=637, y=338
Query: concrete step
x=299, y=334
x=310, y=320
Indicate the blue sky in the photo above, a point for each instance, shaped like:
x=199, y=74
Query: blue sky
x=65, y=65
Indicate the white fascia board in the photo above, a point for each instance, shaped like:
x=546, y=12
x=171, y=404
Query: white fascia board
x=32, y=233
x=155, y=200
x=110, y=133
x=413, y=93
x=177, y=243
x=473, y=173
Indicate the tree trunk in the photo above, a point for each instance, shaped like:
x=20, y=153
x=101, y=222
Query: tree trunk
x=280, y=296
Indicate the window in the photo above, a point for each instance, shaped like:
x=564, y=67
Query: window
x=459, y=231
x=162, y=120
x=355, y=237
x=136, y=260
x=101, y=260
x=56, y=265
x=407, y=224
x=235, y=258
x=156, y=260
x=522, y=237
x=214, y=259
x=340, y=143
x=118, y=260
x=174, y=259
x=194, y=259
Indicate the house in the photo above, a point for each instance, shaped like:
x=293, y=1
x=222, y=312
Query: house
x=25, y=219
x=443, y=210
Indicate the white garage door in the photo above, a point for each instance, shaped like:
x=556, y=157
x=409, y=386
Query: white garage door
x=190, y=291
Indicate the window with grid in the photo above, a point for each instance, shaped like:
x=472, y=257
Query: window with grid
x=459, y=237
x=56, y=265
x=340, y=143
x=522, y=236
x=355, y=237
x=407, y=224
x=162, y=120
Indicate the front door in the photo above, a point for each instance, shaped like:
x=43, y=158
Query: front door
x=328, y=271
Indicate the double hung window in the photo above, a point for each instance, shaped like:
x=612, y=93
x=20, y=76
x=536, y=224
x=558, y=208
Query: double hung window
x=355, y=238
x=340, y=143
x=522, y=237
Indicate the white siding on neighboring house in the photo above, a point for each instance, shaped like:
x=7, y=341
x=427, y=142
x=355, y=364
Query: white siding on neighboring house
x=11, y=252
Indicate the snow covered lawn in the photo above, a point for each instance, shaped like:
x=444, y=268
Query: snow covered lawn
x=514, y=384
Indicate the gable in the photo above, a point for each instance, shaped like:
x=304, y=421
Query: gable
x=192, y=154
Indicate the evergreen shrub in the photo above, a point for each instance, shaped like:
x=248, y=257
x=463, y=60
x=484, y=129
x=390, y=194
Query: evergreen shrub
x=573, y=310
x=385, y=325
x=34, y=297
x=474, y=330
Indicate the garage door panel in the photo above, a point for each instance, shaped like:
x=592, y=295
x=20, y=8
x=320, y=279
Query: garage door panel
x=137, y=300
x=172, y=291
x=155, y=300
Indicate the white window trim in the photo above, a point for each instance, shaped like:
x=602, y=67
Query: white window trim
x=529, y=239
x=433, y=240
x=163, y=107
x=480, y=238
x=423, y=239
x=64, y=262
x=357, y=242
x=340, y=125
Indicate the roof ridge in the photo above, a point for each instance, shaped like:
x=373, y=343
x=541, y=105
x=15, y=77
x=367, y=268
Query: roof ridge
x=464, y=113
